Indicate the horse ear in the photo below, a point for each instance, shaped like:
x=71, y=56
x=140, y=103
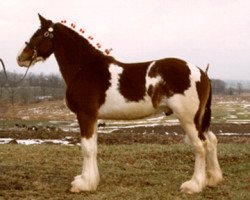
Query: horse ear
x=44, y=22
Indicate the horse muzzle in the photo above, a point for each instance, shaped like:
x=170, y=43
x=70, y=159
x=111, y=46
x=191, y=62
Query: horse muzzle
x=23, y=63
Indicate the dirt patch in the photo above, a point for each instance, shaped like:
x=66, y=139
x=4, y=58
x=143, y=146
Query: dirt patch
x=143, y=135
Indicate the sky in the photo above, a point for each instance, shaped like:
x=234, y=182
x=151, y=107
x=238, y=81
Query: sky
x=201, y=32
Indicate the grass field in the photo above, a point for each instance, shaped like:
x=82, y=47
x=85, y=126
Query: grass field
x=138, y=171
x=133, y=165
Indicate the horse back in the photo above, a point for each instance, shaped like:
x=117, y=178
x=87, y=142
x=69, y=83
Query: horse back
x=128, y=91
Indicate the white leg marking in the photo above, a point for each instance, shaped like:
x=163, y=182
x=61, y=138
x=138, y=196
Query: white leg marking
x=198, y=181
x=214, y=173
x=185, y=107
x=89, y=179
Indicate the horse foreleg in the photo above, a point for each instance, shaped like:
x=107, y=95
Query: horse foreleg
x=89, y=179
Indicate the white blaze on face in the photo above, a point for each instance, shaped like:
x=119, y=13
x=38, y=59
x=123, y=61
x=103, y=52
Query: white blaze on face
x=27, y=60
x=19, y=59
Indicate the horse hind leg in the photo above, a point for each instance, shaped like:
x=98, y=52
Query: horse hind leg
x=207, y=170
x=198, y=180
x=214, y=173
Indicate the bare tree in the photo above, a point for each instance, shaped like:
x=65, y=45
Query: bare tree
x=2, y=83
x=12, y=87
x=218, y=86
x=239, y=88
x=32, y=88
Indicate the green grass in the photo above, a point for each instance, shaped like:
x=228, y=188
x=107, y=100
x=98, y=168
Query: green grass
x=127, y=172
x=230, y=111
x=222, y=112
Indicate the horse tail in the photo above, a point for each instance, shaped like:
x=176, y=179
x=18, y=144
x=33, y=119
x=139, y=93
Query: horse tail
x=207, y=68
x=206, y=120
x=203, y=115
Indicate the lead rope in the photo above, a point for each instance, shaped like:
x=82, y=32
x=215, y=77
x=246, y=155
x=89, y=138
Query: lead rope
x=6, y=75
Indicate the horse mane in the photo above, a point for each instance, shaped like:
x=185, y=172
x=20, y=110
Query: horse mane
x=80, y=47
x=76, y=56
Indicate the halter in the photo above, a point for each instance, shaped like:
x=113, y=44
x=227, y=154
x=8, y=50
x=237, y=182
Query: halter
x=34, y=49
x=48, y=34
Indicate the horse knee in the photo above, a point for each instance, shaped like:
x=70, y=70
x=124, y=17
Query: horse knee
x=89, y=146
x=212, y=138
x=200, y=149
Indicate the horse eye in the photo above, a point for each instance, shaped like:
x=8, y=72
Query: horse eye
x=46, y=34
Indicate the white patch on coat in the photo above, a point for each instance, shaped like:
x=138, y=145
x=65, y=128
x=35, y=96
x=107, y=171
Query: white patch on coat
x=152, y=80
x=117, y=107
x=184, y=105
x=195, y=72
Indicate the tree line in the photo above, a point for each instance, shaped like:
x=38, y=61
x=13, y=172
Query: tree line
x=39, y=87
x=221, y=87
x=33, y=88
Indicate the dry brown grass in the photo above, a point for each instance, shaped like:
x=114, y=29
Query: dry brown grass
x=136, y=171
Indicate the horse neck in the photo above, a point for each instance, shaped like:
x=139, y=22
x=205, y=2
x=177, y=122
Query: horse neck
x=73, y=52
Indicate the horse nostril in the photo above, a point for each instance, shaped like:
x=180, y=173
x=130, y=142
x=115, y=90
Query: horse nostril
x=19, y=58
x=20, y=61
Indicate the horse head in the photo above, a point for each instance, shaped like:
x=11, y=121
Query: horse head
x=40, y=45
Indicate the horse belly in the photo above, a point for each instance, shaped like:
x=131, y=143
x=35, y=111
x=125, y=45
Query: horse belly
x=117, y=107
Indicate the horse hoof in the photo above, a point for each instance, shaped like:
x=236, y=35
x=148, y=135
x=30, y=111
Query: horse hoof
x=80, y=184
x=190, y=187
x=214, y=179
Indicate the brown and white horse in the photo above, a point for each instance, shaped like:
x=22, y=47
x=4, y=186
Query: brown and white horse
x=98, y=86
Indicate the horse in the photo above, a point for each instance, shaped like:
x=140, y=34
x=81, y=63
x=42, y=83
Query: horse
x=100, y=87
